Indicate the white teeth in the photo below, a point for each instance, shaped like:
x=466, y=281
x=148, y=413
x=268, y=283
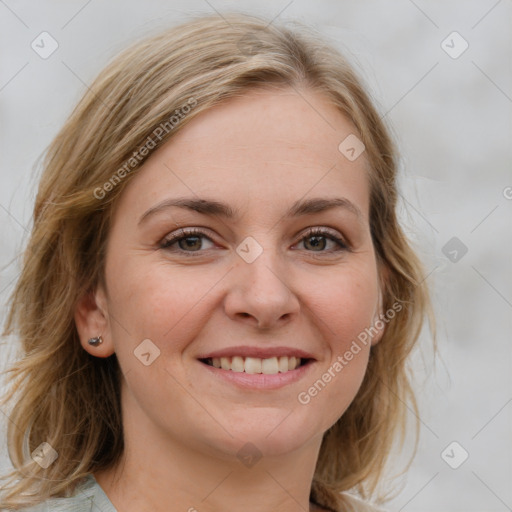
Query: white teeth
x=237, y=364
x=292, y=363
x=252, y=365
x=269, y=366
x=283, y=364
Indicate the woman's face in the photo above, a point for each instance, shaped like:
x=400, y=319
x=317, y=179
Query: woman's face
x=279, y=270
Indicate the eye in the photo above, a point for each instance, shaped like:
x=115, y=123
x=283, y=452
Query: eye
x=192, y=240
x=317, y=239
x=187, y=241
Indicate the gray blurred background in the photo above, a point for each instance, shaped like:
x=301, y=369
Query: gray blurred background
x=440, y=72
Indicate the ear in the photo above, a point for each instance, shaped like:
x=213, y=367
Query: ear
x=91, y=320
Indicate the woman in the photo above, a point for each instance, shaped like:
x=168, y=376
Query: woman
x=217, y=300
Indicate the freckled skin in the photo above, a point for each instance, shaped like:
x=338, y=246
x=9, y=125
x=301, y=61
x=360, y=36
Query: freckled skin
x=259, y=154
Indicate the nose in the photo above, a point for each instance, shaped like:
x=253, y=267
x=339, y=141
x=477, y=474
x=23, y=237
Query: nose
x=259, y=293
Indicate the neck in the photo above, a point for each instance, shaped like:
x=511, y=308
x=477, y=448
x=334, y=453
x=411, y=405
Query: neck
x=145, y=481
x=162, y=474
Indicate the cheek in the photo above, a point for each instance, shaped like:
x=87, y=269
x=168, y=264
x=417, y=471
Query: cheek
x=159, y=302
x=162, y=304
x=345, y=304
x=345, y=310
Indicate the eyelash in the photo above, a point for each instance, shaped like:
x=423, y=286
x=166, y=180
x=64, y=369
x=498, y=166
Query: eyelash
x=185, y=233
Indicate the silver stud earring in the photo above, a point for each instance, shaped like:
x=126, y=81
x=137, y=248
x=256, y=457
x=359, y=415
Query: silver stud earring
x=97, y=340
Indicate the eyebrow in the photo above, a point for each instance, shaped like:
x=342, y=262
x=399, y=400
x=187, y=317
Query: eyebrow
x=211, y=207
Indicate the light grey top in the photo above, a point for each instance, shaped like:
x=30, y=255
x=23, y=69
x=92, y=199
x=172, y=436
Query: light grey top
x=89, y=497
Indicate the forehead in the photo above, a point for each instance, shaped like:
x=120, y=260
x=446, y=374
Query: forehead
x=268, y=123
x=269, y=146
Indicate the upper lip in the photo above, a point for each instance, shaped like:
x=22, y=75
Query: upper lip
x=259, y=352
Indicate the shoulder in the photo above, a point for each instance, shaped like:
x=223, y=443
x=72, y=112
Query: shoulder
x=88, y=496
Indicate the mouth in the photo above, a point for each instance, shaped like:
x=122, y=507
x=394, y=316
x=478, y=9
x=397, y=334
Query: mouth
x=257, y=368
x=255, y=365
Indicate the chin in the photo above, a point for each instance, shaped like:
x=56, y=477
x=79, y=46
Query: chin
x=272, y=434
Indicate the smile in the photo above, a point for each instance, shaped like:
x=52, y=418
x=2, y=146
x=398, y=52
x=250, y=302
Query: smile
x=255, y=365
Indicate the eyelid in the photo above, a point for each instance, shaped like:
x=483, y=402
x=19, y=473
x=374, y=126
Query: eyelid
x=201, y=232
x=324, y=231
x=181, y=233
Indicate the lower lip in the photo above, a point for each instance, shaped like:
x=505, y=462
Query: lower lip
x=259, y=380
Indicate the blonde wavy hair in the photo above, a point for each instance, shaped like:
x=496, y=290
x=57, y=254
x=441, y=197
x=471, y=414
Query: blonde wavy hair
x=52, y=388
